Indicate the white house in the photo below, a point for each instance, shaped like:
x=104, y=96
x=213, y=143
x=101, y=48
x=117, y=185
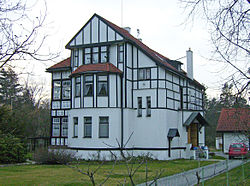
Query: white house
x=233, y=125
x=115, y=92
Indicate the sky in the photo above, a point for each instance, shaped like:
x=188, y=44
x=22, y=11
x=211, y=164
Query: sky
x=162, y=26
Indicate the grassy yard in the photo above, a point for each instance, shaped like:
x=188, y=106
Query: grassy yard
x=63, y=175
x=235, y=177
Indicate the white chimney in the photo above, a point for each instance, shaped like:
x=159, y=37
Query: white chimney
x=127, y=29
x=190, y=72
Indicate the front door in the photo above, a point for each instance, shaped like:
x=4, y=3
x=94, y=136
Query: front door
x=193, y=135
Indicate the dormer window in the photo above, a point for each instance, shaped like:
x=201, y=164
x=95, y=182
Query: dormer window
x=96, y=55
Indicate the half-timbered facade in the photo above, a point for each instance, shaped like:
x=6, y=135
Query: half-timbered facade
x=124, y=95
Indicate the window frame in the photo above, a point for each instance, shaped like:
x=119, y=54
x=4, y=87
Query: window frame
x=78, y=85
x=57, y=89
x=54, y=123
x=99, y=53
x=75, y=129
x=63, y=127
x=75, y=57
x=120, y=50
x=66, y=89
x=148, y=104
x=139, y=106
x=146, y=73
x=102, y=82
x=102, y=124
x=86, y=125
x=90, y=82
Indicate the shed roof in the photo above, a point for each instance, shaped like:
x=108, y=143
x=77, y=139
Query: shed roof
x=233, y=119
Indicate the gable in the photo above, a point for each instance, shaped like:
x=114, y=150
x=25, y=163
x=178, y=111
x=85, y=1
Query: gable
x=93, y=32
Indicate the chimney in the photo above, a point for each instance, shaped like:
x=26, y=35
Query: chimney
x=190, y=72
x=128, y=29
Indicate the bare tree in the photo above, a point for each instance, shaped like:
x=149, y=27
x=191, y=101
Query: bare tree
x=228, y=22
x=19, y=32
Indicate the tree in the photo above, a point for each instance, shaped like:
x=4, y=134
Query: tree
x=20, y=32
x=228, y=22
x=10, y=89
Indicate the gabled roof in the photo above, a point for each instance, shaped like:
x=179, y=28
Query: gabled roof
x=233, y=120
x=99, y=67
x=63, y=65
x=198, y=117
x=148, y=51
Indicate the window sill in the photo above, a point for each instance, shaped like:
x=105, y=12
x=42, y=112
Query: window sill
x=103, y=137
x=148, y=115
x=87, y=137
x=75, y=137
x=139, y=116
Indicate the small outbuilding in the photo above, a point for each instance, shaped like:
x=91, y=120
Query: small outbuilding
x=233, y=125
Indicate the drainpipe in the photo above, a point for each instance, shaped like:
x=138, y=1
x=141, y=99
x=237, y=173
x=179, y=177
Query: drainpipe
x=121, y=111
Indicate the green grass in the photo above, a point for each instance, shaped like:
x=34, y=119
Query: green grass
x=235, y=177
x=63, y=175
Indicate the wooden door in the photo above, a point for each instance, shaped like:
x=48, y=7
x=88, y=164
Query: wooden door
x=193, y=135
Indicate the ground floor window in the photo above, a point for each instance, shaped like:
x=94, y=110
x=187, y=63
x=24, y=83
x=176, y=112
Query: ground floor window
x=103, y=127
x=56, y=127
x=87, y=127
x=64, y=127
x=75, y=130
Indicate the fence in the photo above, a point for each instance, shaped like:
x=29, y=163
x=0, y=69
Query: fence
x=201, y=174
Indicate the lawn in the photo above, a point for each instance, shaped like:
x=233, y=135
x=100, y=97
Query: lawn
x=235, y=177
x=63, y=175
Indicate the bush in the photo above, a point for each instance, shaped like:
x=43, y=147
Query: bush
x=12, y=150
x=53, y=156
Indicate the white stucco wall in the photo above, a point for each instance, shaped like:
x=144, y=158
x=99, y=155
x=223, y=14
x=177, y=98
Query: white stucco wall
x=229, y=138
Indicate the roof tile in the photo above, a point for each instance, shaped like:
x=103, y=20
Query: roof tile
x=63, y=64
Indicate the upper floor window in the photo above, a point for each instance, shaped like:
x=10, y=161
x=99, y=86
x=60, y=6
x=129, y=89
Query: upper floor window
x=77, y=86
x=57, y=90
x=66, y=85
x=96, y=55
x=76, y=57
x=148, y=106
x=87, y=127
x=56, y=75
x=120, y=53
x=144, y=74
x=139, y=106
x=102, y=86
x=55, y=104
x=88, y=85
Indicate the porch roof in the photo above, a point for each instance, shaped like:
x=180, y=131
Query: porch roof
x=198, y=117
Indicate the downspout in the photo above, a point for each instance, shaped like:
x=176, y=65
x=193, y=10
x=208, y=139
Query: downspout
x=121, y=112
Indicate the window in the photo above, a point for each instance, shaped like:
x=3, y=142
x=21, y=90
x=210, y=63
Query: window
x=65, y=104
x=55, y=104
x=87, y=56
x=87, y=127
x=64, y=127
x=103, y=127
x=102, y=86
x=56, y=127
x=57, y=90
x=88, y=86
x=75, y=57
x=139, y=107
x=148, y=106
x=96, y=55
x=66, y=74
x=56, y=75
x=66, y=89
x=144, y=74
x=104, y=54
x=120, y=53
x=75, y=130
x=60, y=113
x=77, y=86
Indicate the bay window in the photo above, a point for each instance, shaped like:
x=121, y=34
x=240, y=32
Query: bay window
x=66, y=89
x=88, y=85
x=102, y=86
x=57, y=89
x=77, y=86
x=56, y=127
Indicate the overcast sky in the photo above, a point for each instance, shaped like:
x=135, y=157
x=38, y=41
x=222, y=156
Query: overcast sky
x=161, y=23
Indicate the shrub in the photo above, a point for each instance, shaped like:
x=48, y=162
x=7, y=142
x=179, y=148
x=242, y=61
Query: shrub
x=12, y=150
x=53, y=156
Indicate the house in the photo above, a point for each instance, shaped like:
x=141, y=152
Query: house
x=233, y=125
x=114, y=92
